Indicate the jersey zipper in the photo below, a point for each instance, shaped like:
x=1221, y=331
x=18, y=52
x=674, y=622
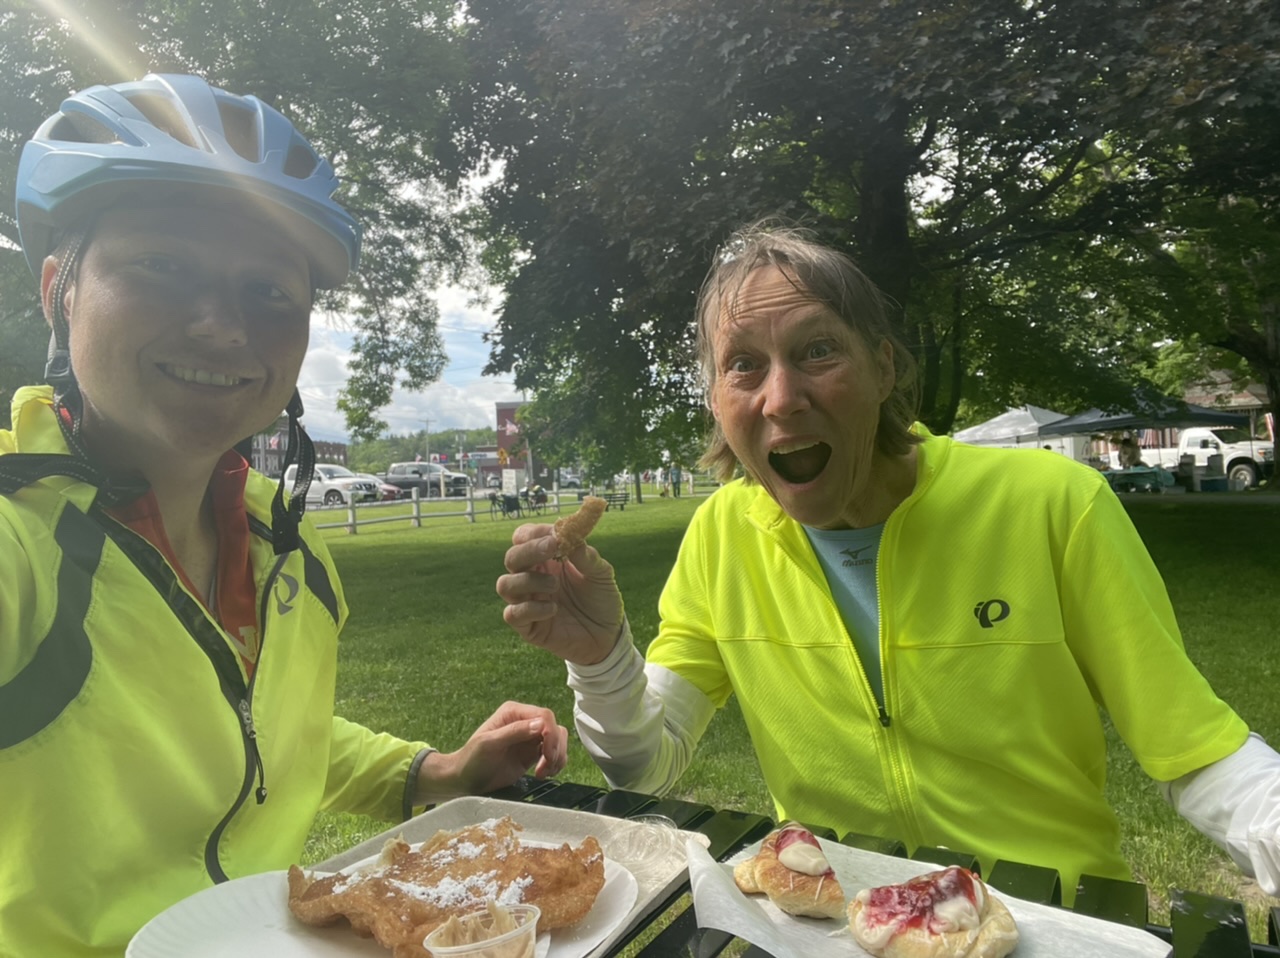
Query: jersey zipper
x=900, y=793
x=249, y=732
x=211, y=640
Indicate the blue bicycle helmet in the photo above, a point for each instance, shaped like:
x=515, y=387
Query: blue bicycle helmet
x=108, y=141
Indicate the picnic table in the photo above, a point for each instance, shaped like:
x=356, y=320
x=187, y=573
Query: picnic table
x=1139, y=479
x=1203, y=926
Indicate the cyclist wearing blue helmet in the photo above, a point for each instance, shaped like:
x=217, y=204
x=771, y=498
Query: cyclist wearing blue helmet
x=168, y=620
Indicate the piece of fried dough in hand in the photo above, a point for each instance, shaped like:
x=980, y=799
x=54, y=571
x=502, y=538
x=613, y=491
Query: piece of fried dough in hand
x=572, y=530
x=792, y=870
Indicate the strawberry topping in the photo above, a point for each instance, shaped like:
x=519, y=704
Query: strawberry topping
x=912, y=905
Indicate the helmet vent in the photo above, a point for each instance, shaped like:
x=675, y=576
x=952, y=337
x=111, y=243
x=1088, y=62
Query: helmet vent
x=164, y=117
x=301, y=162
x=78, y=128
x=239, y=126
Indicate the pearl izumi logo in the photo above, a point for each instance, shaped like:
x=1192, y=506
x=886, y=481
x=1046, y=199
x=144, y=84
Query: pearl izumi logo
x=284, y=603
x=990, y=612
x=854, y=557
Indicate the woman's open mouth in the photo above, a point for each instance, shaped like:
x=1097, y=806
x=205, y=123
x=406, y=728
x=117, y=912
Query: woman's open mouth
x=800, y=463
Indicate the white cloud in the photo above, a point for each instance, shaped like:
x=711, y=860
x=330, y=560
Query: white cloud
x=462, y=399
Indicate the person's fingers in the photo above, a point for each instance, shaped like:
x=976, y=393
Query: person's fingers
x=512, y=713
x=530, y=531
x=554, y=753
x=528, y=555
x=518, y=586
x=589, y=562
x=524, y=616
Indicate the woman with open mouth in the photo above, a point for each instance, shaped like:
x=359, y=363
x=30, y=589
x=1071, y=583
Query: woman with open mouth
x=921, y=634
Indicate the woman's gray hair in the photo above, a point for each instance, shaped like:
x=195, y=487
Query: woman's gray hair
x=828, y=277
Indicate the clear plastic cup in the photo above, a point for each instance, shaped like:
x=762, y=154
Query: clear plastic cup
x=478, y=938
x=649, y=850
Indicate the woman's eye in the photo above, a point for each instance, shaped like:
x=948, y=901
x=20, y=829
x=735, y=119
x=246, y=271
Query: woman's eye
x=820, y=350
x=740, y=365
x=269, y=291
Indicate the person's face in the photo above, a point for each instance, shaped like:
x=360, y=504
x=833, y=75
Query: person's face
x=797, y=394
x=188, y=328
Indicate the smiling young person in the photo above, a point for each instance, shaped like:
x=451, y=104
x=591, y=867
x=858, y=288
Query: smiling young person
x=920, y=633
x=168, y=618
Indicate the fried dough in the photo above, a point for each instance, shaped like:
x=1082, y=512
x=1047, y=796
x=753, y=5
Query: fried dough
x=572, y=530
x=408, y=893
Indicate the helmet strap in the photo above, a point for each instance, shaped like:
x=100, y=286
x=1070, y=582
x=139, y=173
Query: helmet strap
x=285, y=519
x=68, y=403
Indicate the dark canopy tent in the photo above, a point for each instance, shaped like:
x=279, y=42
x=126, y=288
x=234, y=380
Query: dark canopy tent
x=1157, y=413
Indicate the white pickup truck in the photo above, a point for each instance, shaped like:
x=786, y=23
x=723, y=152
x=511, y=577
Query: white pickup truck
x=1244, y=459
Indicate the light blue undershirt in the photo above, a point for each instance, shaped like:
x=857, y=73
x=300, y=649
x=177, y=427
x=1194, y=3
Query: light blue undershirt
x=848, y=558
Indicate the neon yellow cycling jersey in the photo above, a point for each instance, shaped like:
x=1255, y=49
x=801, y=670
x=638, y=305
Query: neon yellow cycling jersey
x=1016, y=600
x=119, y=797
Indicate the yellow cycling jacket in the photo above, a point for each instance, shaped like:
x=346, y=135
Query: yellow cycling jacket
x=137, y=765
x=1016, y=601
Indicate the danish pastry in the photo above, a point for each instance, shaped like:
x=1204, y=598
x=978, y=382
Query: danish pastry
x=944, y=914
x=792, y=870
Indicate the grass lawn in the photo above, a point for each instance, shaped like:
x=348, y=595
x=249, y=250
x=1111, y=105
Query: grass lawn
x=427, y=655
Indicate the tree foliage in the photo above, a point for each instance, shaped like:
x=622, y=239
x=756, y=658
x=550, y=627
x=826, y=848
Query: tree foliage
x=374, y=455
x=993, y=166
x=363, y=78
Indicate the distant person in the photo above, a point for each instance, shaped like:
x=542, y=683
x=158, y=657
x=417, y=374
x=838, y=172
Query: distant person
x=920, y=633
x=169, y=619
x=676, y=478
x=1130, y=453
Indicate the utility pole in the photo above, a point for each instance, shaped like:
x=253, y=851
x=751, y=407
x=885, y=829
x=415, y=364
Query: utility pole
x=426, y=438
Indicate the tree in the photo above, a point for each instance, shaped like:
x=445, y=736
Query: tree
x=939, y=143
x=363, y=78
x=24, y=338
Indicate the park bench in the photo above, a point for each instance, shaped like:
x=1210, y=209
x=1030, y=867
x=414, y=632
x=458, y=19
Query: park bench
x=611, y=499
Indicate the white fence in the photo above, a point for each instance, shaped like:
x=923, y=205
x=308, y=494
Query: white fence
x=475, y=504
x=469, y=507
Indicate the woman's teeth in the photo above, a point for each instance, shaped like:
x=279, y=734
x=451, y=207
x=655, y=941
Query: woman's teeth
x=202, y=376
x=788, y=447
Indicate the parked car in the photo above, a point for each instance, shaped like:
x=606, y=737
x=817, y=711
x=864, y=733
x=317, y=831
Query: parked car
x=570, y=479
x=333, y=485
x=494, y=481
x=386, y=491
x=425, y=477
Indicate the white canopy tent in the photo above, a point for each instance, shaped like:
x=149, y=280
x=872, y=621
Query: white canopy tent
x=1019, y=428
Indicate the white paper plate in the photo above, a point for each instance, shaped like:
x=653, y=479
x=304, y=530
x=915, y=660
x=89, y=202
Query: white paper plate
x=249, y=918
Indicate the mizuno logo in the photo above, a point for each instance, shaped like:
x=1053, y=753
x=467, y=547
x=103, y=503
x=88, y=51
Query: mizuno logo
x=853, y=555
x=990, y=612
x=285, y=604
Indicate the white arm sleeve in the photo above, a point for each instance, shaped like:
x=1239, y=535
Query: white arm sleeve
x=1236, y=802
x=640, y=723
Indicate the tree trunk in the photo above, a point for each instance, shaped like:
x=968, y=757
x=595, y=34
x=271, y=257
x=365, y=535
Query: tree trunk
x=883, y=236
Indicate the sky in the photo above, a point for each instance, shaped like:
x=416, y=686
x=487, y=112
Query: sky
x=461, y=399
